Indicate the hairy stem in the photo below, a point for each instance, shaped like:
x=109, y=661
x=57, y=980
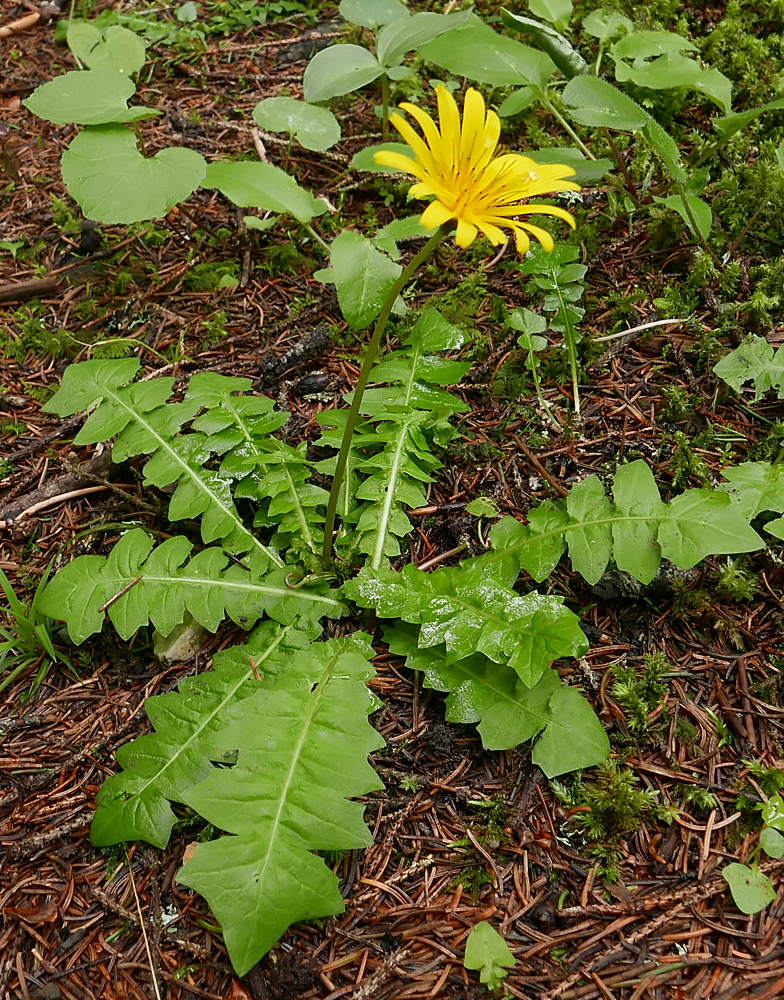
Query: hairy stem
x=367, y=364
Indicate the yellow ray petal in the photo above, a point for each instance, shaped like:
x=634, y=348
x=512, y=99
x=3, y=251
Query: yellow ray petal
x=541, y=234
x=435, y=215
x=465, y=234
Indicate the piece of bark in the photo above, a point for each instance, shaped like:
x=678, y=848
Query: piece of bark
x=98, y=466
x=306, y=349
x=34, y=289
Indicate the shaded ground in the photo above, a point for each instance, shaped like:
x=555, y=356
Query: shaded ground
x=461, y=835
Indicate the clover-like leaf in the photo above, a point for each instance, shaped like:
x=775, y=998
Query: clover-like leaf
x=751, y=888
x=487, y=952
x=113, y=183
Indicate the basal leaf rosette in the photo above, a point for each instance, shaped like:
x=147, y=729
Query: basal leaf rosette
x=456, y=165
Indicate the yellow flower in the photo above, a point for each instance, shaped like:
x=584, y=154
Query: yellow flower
x=479, y=191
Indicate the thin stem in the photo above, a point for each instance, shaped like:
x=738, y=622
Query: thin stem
x=384, y=106
x=316, y=236
x=571, y=347
x=140, y=139
x=622, y=167
x=694, y=227
x=553, y=110
x=364, y=374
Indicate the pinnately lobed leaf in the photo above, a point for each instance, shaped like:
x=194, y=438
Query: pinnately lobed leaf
x=303, y=743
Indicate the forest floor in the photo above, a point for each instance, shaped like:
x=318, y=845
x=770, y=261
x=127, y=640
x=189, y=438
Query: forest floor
x=461, y=834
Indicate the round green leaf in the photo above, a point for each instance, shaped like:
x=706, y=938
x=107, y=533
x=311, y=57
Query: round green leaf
x=314, y=128
x=372, y=13
x=113, y=183
x=771, y=842
x=260, y=185
x=363, y=160
x=115, y=48
x=751, y=889
x=91, y=97
x=338, y=70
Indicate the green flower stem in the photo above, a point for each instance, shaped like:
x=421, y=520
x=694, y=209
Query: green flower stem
x=545, y=100
x=384, y=107
x=694, y=227
x=570, y=337
x=367, y=364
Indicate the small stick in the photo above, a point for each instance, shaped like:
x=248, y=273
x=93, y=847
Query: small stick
x=119, y=594
x=19, y=25
x=34, y=289
x=144, y=930
x=435, y=560
x=52, y=501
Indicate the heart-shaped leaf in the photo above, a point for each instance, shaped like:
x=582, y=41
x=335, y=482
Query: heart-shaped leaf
x=91, y=97
x=113, y=183
x=314, y=128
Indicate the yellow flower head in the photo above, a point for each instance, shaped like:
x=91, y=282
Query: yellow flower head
x=479, y=191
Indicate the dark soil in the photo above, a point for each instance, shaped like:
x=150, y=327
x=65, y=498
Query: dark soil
x=79, y=923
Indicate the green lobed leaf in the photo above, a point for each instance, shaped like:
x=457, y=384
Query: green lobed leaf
x=701, y=523
x=472, y=611
x=142, y=420
x=604, y=24
x=113, y=48
x=755, y=487
x=401, y=36
x=636, y=495
x=508, y=711
x=548, y=40
x=590, y=537
x=362, y=276
x=314, y=128
x=753, y=361
x=751, y=889
x=475, y=51
x=594, y=102
x=139, y=584
x=487, y=951
x=158, y=768
x=337, y=70
x=113, y=183
x=675, y=70
x=262, y=185
x=87, y=97
x=286, y=797
x=372, y=13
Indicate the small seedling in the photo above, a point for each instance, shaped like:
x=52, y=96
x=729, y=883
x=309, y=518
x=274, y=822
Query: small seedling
x=487, y=952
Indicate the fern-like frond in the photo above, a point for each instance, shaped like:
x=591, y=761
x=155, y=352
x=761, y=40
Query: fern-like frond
x=160, y=767
x=139, y=583
x=508, y=711
x=470, y=610
x=303, y=743
x=143, y=422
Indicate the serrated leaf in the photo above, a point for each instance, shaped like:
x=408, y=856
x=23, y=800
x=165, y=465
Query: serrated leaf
x=87, y=97
x=362, y=276
x=337, y=70
x=113, y=183
x=372, y=13
x=559, y=49
x=755, y=487
x=730, y=124
x=401, y=36
x=144, y=422
x=476, y=51
x=594, y=102
x=113, y=48
x=471, y=611
x=160, y=767
x=285, y=798
x=263, y=185
x=590, y=535
x=138, y=584
x=314, y=128
x=635, y=547
x=508, y=712
x=487, y=951
x=700, y=523
x=751, y=889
